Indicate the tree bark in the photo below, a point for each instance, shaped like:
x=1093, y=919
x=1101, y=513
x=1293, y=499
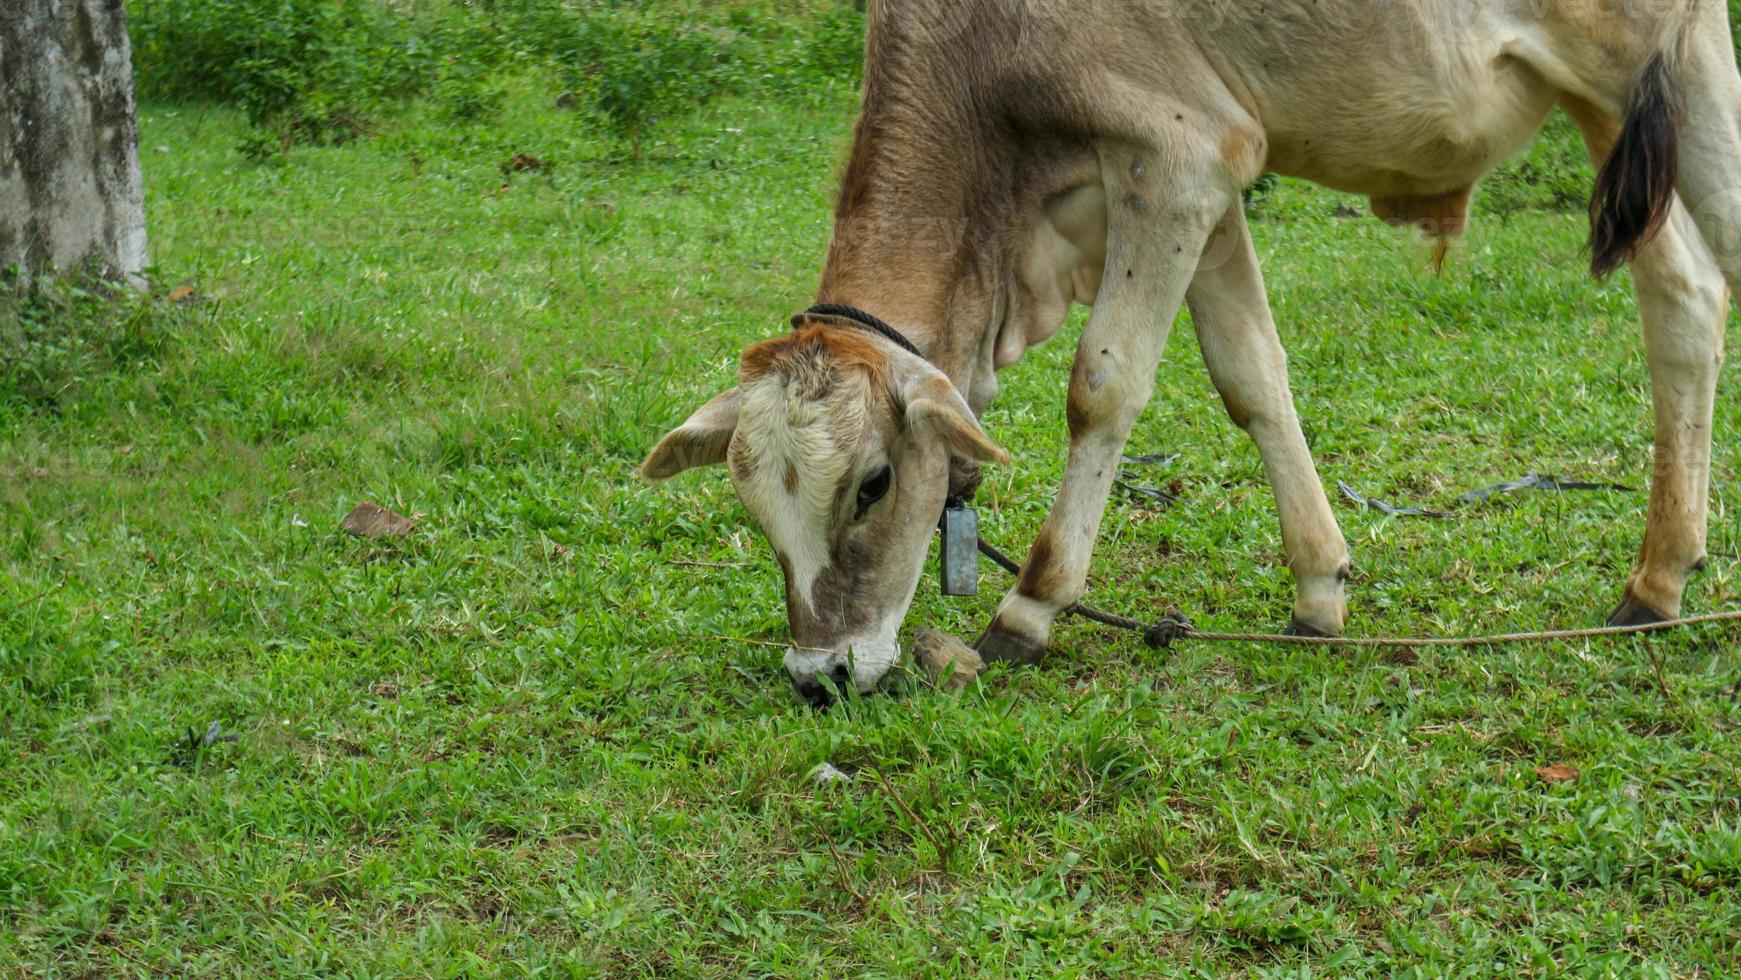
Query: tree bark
x=70, y=190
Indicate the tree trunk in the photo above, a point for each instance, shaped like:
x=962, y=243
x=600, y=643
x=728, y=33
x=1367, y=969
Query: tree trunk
x=70, y=191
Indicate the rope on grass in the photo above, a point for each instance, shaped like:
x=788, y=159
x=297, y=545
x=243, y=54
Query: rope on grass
x=1176, y=627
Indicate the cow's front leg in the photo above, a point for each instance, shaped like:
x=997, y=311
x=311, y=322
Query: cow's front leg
x=1155, y=233
x=1245, y=358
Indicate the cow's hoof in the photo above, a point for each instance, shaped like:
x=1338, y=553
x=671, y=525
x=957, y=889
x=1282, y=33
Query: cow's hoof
x=1633, y=613
x=1299, y=627
x=997, y=646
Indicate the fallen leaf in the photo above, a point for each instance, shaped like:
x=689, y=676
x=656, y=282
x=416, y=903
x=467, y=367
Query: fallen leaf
x=1557, y=774
x=368, y=520
x=181, y=293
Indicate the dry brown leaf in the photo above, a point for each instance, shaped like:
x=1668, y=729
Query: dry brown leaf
x=1557, y=774
x=181, y=293
x=368, y=520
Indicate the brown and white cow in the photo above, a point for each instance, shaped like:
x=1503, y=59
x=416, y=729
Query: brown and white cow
x=1016, y=156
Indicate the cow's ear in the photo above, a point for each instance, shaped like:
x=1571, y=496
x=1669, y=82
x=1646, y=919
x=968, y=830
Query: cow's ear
x=701, y=441
x=936, y=408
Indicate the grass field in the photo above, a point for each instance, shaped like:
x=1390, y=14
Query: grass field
x=547, y=732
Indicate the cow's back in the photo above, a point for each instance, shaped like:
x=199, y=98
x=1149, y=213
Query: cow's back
x=1381, y=97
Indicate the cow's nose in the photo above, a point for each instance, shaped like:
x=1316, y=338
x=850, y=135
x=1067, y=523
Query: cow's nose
x=814, y=692
x=821, y=689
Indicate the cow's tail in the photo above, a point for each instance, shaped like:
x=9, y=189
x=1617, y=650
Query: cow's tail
x=1636, y=185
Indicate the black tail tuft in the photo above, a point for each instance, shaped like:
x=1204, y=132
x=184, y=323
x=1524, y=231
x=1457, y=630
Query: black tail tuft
x=1636, y=185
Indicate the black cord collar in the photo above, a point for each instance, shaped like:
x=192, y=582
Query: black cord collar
x=853, y=316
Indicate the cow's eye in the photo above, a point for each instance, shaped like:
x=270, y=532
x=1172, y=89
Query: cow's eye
x=872, y=490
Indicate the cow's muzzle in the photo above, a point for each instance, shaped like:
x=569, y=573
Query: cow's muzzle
x=822, y=676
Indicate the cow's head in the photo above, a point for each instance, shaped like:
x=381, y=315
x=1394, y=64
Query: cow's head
x=839, y=445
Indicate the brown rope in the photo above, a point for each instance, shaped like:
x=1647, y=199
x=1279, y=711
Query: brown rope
x=1542, y=636
x=1175, y=627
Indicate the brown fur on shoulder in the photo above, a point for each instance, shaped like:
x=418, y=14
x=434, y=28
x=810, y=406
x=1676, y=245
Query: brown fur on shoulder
x=1637, y=182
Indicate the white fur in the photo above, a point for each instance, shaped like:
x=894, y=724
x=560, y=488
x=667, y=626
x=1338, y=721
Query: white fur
x=869, y=656
x=802, y=434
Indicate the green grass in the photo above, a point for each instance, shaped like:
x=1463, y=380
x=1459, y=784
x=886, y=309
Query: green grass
x=537, y=736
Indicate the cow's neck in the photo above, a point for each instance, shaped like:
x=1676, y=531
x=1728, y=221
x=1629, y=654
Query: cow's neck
x=931, y=290
x=918, y=201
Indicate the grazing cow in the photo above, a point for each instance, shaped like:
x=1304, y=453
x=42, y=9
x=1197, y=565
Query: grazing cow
x=1016, y=156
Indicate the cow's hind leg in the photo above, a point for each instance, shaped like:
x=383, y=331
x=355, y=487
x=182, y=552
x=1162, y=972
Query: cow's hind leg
x=1684, y=305
x=1165, y=209
x=1702, y=78
x=1245, y=359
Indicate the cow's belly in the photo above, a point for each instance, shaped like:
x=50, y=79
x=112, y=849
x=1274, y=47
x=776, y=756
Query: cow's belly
x=1427, y=137
x=1385, y=97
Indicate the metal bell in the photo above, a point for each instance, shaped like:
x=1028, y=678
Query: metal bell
x=960, y=553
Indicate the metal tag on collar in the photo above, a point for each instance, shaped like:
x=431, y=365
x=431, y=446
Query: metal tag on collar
x=960, y=553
